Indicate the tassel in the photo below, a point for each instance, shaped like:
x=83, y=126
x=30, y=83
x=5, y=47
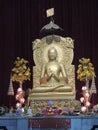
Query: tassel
x=93, y=89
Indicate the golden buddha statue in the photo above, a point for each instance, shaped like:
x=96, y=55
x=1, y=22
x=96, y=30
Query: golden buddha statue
x=53, y=75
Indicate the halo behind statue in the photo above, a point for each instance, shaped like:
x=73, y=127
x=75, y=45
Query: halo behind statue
x=64, y=51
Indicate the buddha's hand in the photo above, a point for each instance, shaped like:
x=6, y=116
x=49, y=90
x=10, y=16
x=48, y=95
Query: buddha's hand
x=49, y=75
x=56, y=77
x=52, y=74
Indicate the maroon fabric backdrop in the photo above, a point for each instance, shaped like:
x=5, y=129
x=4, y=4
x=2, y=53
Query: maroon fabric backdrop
x=20, y=24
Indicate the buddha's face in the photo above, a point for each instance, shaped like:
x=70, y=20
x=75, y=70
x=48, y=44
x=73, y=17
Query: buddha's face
x=52, y=53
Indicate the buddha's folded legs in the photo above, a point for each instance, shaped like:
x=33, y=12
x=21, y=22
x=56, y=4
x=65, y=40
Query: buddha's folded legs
x=59, y=88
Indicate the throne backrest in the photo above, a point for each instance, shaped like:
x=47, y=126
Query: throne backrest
x=64, y=47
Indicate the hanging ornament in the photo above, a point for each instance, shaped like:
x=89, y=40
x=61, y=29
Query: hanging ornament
x=11, y=89
x=93, y=89
x=10, y=92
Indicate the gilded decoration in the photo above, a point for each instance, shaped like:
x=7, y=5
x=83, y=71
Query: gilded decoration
x=65, y=56
x=63, y=46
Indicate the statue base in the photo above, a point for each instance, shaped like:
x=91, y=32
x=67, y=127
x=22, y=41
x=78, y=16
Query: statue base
x=52, y=95
x=39, y=101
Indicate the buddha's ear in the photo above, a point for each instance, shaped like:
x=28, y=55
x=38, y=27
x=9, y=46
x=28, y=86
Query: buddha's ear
x=43, y=80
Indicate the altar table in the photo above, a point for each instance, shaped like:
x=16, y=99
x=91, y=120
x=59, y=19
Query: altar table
x=22, y=123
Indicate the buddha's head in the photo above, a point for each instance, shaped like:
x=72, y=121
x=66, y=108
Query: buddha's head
x=52, y=53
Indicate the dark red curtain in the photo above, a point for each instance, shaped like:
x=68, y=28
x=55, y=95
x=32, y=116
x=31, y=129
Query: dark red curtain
x=20, y=24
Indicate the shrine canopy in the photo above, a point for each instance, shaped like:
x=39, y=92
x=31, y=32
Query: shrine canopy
x=51, y=28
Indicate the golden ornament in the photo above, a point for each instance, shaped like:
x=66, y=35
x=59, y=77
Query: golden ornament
x=85, y=69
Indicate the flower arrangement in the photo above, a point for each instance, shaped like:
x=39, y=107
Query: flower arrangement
x=60, y=108
x=86, y=73
x=20, y=73
x=85, y=100
x=51, y=109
